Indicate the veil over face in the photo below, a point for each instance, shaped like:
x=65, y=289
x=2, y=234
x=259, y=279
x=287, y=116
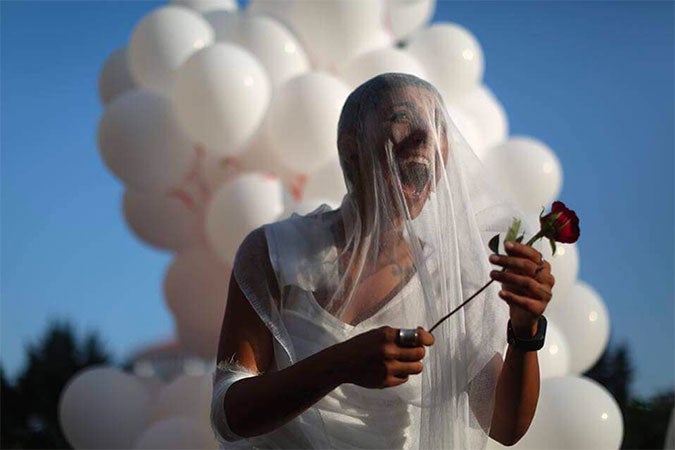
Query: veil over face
x=419, y=209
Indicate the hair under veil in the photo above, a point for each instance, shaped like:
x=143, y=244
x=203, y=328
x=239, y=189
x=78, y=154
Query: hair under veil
x=407, y=245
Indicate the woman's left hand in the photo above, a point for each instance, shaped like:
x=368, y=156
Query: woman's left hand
x=526, y=285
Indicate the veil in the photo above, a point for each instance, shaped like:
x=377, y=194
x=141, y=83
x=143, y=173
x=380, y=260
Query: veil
x=419, y=207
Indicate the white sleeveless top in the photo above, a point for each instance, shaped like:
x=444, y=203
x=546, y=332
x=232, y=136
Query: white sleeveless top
x=350, y=416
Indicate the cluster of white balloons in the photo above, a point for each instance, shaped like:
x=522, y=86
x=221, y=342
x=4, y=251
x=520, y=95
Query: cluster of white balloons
x=103, y=407
x=219, y=120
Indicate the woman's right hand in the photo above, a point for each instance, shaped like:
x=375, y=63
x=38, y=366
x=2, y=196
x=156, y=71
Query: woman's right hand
x=374, y=360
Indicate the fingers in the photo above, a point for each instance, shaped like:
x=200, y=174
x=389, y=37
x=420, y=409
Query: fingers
x=404, y=369
x=524, y=285
x=424, y=337
x=409, y=354
x=540, y=272
x=525, y=251
x=516, y=264
x=533, y=306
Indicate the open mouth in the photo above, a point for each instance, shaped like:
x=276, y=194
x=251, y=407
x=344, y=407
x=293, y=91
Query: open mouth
x=415, y=173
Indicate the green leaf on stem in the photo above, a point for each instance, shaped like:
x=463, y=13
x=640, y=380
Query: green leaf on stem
x=513, y=231
x=552, y=246
x=494, y=244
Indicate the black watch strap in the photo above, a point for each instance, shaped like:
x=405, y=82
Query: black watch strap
x=534, y=343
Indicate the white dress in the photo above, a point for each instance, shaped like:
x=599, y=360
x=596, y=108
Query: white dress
x=349, y=416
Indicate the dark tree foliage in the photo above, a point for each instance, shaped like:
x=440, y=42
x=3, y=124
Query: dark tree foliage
x=645, y=420
x=30, y=406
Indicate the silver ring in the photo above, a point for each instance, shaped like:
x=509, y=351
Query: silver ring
x=407, y=337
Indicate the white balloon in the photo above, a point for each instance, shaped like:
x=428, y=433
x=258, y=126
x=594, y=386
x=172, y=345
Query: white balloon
x=303, y=120
x=574, y=413
x=452, y=57
x=195, y=288
x=177, y=433
x=564, y=267
x=307, y=205
x=331, y=31
x=160, y=220
x=218, y=170
x=221, y=95
x=239, y=207
x=162, y=41
x=115, y=77
x=367, y=65
x=142, y=143
x=527, y=169
x=583, y=318
x=187, y=396
x=467, y=128
x=153, y=385
x=554, y=357
x=271, y=42
x=207, y=6
x=103, y=407
x=327, y=183
x=488, y=114
x=403, y=17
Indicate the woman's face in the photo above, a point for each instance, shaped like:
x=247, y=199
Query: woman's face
x=406, y=133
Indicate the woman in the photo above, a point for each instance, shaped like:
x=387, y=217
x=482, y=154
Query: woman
x=310, y=354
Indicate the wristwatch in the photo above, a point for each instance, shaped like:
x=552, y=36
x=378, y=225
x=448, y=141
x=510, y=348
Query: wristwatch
x=527, y=344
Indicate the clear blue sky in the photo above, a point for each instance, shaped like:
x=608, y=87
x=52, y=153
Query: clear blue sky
x=594, y=80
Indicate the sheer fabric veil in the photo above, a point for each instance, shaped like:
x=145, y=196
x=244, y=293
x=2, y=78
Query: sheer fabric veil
x=419, y=205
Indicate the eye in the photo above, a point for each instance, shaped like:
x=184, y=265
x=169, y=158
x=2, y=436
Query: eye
x=400, y=116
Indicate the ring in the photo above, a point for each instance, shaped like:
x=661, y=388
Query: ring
x=407, y=337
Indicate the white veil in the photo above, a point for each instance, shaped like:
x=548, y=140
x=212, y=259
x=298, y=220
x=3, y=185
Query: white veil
x=419, y=205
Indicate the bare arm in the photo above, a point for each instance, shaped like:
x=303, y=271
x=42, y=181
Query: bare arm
x=260, y=404
x=526, y=287
x=516, y=395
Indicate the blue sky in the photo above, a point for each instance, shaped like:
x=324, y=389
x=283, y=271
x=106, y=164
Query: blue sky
x=594, y=80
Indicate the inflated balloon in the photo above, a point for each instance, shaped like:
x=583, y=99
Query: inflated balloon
x=383, y=60
x=153, y=385
x=331, y=31
x=308, y=205
x=195, y=288
x=554, y=357
x=326, y=183
x=103, y=407
x=452, y=57
x=574, y=413
x=187, y=396
x=162, y=41
x=218, y=170
x=528, y=170
x=206, y=6
x=221, y=95
x=142, y=143
x=583, y=318
x=259, y=156
x=488, y=115
x=467, y=128
x=239, y=207
x=160, y=220
x=403, y=17
x=302, y=120
x=270, y=41
x=115, y=77
x=564, y=267
x=177, y=433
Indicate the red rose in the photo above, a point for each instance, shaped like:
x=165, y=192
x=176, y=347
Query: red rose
x=561, y=224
